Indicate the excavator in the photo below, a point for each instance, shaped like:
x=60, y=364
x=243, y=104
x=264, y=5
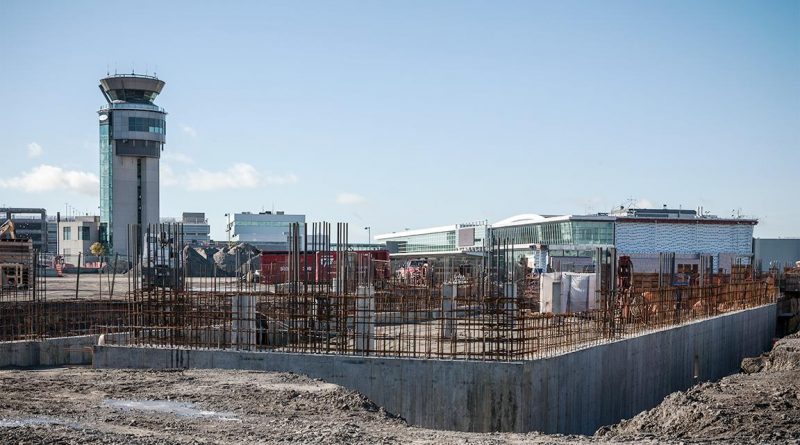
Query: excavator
x=13, y=274
x=8, y=228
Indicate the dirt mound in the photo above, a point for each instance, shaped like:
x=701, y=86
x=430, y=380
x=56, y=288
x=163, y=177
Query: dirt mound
x=761, y=405
x=198, y=262
x=235, y=260
x=224, y=262
x=785, y=356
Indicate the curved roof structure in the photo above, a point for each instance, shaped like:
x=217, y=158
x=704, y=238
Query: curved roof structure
x=134, y=88
x=525, y=218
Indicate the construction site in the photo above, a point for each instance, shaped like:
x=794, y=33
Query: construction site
x=452, y=350
x=487, y=308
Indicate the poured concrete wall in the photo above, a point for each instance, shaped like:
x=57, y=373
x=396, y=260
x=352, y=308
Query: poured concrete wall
x=572, y=393
x=49, y=352
x=57, y=351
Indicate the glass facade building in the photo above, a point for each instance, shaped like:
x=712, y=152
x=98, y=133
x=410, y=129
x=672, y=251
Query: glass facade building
x=569, y=233
x=578, y=232
x=570, y=243
x=266, y=230
x=453, y=239
x=426, y=243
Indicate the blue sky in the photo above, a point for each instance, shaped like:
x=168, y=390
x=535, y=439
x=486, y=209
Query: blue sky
x=417, y=113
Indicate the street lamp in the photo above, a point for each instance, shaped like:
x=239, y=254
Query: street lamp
x=228, y=228
x=369, y=234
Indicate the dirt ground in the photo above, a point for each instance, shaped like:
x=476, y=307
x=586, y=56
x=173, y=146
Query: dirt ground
x=760, y=405
x=92, y=286
x=82, y=405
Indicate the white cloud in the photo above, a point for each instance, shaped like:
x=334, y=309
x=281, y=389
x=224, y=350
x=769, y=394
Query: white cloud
x=350, y=198
x=34, y=150
x=177, y=156
x=167, y=177
x=643, y=203
x=45, y=178
x=189, y=130
x=239, y=176
x=280, y=179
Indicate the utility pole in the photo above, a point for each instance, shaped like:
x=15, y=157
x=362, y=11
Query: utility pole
x=228, y=228
x=369, y=234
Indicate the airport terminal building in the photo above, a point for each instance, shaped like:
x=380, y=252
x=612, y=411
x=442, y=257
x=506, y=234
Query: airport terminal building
x=569, y=242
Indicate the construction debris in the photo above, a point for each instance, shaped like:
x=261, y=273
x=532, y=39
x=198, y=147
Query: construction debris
x=220, y=262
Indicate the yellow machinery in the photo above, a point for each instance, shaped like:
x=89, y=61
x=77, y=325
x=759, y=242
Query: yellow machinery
x=15, y=258
x=13, y=276
x=8, y=227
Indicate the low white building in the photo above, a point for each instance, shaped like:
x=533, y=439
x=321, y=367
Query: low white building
x=76, y=235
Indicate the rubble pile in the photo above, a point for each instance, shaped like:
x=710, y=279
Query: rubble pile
x=220, y=262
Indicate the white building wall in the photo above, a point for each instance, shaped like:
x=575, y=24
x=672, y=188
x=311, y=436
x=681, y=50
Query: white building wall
x=643, y=241
x=70, y=248
x=683, y=238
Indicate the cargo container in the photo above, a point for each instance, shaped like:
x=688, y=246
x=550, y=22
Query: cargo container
x=320, y=267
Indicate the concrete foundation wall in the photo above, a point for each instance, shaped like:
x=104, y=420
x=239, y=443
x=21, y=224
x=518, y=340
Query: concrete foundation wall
x=572, y=393
x=49, y=352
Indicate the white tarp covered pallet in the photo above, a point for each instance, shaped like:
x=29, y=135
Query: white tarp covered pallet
x=563, y=292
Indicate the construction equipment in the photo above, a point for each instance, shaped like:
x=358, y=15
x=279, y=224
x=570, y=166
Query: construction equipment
x=16, y=258
x=13, y=276
x=8, y=227
x=162, y=259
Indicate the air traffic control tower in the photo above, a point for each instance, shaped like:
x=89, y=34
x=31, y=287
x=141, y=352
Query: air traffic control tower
x=132, y=136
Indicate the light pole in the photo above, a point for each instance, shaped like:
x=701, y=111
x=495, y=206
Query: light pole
x=369, y=234
x=228, y=228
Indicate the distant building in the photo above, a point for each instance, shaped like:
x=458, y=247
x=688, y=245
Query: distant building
x=776, y=252
x=644, y=233
x=52, y=234
x=77, y=234
x=444, y=240
x=29, y=223
x=196, y=230
x=569, y=242
x=266, y=230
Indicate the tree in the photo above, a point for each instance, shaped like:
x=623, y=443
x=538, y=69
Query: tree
x=97, y=249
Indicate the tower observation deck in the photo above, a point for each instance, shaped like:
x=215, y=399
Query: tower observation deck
x=132, y=136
